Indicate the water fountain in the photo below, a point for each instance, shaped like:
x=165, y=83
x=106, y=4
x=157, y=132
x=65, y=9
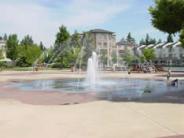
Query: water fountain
x=92, y=69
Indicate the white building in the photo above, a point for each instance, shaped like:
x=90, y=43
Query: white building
x=166, y=53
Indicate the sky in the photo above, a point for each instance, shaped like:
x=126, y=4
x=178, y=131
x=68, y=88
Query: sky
x=42, y=18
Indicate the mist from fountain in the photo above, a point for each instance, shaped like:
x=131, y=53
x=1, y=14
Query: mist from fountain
x=92, y=70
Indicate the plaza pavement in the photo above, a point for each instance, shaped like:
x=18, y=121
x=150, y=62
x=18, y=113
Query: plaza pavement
x=99, y=119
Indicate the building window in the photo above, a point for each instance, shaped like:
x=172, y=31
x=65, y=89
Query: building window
x=105, y=43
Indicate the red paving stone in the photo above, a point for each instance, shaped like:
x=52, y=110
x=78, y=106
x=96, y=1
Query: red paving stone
x=45, y=97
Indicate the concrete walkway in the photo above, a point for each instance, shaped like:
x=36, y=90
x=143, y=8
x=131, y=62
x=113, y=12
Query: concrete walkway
x=91, y=120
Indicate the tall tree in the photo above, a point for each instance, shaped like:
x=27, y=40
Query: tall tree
x=75, y=40
x=130, y=39
x=11, y=46
x=62, y=35
x=159, y=41
x=167, y=15
x=88, y=46
x=42, y=47
x=5, y=37
x=27, y=41
x=182, y=37
x=61, y=44
x=147, y=39
x=142, y=42
x=170, y=38
x=1, y=53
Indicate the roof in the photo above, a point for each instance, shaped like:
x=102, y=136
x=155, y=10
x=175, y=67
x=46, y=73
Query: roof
x=160, y=45
x=177, y=44
x=100, y=31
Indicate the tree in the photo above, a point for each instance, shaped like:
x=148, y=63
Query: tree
x=128, y=56
x=103, y=56
x=75, y=40
x=142, y=42
x=11, y=46
x=25, y=55
x=72, y=51
x=1, y=53
x=5, y=37
x=42, y=47
x=159, y=41
x=182, y=37
x=148, y=40
x=27, y=41
x=62, y=35
x=149, y=54
x=130, y=39
x=170, y=38
x=61, y=44
x=88, y=45
x=167, y=16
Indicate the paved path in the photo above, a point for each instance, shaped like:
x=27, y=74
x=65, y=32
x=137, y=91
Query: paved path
x=100, y=119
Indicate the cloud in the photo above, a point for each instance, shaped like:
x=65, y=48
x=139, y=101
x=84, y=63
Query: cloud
x=41, y=18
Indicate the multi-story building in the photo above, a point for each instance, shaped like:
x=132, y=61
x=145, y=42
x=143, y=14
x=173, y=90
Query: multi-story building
x=105, y=42
x=123, y=47
x=166, y=53
x=108, y=50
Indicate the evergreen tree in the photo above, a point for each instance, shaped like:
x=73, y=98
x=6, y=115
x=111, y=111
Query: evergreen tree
x=11, y=46
x=62, y=35
x=61, y=46
x=159, y=41
x=169, y=38
x=5, y=37
x=42, y=47
x=27, y=41
x=130, y=39
x=147, y=39
x=142, y=42
x=75, y=40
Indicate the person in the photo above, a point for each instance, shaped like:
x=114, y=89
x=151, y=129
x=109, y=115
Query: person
x=174, y=82
x=129, y=71
x=168, y=74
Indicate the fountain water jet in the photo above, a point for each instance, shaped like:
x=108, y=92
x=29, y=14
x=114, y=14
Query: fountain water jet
x=92, y=70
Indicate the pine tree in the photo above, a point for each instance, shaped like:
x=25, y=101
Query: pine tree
x=169, y=38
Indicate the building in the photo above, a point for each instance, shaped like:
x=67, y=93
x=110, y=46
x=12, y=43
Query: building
x=166, y=53
x=124, y=46
x=105, y=43
x=110, y=53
